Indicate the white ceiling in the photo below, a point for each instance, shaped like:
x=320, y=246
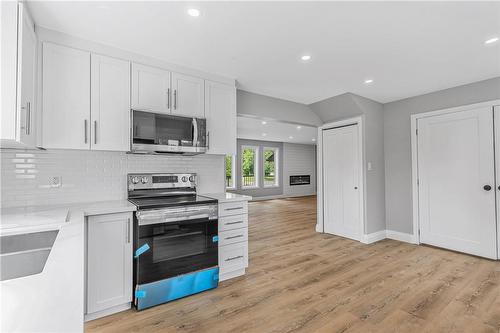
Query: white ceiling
x=253, y=129
x=407, y=48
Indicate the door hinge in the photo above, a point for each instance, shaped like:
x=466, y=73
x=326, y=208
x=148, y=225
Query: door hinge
x=418, y=181
x=416, y=131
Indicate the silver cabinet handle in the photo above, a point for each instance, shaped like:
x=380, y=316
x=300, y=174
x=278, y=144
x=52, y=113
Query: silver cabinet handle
x=234, y=258
x=168, y=98
x=237, y=222
x=85, y=129
x=175, y=99
x=28, y=119
x=233, y=237
x=95, y=131
x=208, y=140
x=234, y=208
x=128, y=230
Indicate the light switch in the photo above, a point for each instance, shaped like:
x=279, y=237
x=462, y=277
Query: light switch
x=369, y=166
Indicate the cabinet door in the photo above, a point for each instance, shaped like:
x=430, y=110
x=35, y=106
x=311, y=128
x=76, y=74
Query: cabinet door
x=187, y=96
x=109, y=261
x=66, y=97
x=110, y=104
x=150, y=89
x=27, y=42
x=220, y=111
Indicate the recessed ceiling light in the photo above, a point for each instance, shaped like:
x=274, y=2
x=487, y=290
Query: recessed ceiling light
x=264, y=134
x=290, y=137
x=313, y=139
x=193, y=12
x=491, y=40
x=264, y=122
x=368, y=81
x=299, y=127
x=306, y=57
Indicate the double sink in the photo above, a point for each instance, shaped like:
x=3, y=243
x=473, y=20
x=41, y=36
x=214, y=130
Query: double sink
x=25, y=254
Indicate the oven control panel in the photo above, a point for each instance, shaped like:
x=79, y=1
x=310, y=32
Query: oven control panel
x=139, y=181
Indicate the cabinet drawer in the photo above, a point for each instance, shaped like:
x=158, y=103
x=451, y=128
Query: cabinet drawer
x=233, y=208
x=233, y=236
x=233, y=222
x=233, y=257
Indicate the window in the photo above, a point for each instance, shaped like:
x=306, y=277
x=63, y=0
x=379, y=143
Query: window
x=249, y=162
x=271, y=167
x=230, y=171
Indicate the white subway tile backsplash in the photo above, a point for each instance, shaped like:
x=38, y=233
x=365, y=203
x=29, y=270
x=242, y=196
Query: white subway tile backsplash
x=92, y=175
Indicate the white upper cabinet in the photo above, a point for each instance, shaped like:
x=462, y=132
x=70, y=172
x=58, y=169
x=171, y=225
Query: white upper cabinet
x=220, y=111
x=66, y=97
x=18, y=62
x=150, y=89
x=26, y=84
x=187, y=96
x=110, y=103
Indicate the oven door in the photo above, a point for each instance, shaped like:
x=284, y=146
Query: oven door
x=175, y=247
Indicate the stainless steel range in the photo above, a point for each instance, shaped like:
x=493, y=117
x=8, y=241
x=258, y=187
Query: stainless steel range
x=175, y=238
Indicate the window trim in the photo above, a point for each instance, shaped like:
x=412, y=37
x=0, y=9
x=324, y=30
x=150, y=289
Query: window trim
x=233, y=171
x=276, y=167
x=256, y=149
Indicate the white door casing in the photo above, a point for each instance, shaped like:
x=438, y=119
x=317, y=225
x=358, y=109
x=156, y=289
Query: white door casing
x=455, y=161
x=496, y=120
x=342, y=191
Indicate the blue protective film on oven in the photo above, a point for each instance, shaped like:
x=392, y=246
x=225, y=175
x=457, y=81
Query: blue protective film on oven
x=177, y=287
x=140, y=293
x=141, y=250
x=215, y=239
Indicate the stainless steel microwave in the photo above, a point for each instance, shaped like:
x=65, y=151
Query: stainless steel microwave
x=156, y=133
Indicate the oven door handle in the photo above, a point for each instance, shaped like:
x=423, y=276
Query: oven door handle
x=175, y=215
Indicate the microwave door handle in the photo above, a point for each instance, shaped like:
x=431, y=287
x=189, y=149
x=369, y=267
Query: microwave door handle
x=195, y=132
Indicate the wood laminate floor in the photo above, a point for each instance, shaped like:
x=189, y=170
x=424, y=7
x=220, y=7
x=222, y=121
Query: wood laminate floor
x=303, y=281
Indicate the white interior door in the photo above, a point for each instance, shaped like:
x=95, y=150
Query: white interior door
x=342, y=197
x=456, y=181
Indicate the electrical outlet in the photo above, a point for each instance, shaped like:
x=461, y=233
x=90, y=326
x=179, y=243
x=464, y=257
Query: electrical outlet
x=55, y=181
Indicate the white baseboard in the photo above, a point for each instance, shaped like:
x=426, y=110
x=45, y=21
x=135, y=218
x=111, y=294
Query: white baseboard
x=107, y=312
x=383, y=234
x=401, y=236
x=373, y=237
x=280, y=196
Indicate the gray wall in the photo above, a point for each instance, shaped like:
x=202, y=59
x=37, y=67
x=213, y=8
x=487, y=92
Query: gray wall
x=397, y=142
x=261, y=106
x=261, y=191
x=350, y=105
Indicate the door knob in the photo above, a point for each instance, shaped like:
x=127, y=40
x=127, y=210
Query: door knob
x=486, y=187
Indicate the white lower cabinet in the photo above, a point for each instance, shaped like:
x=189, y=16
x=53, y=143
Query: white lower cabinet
x=109, y=264
x=233, y=239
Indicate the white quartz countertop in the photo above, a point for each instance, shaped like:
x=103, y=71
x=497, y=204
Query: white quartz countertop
x=51, y=301
x=39, y=218
x=228, y=197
